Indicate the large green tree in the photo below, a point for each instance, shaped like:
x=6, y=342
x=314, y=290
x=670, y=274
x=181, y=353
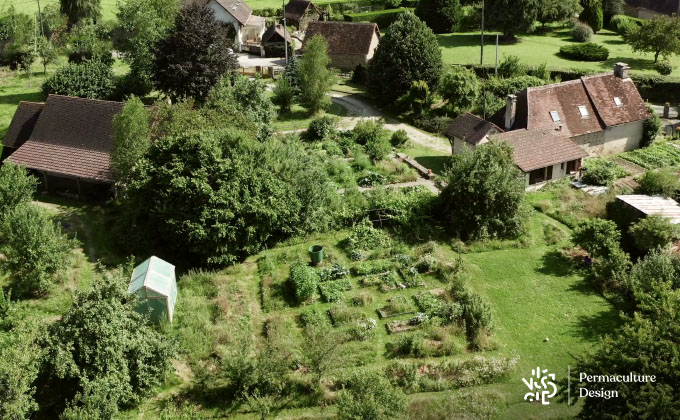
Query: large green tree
x=143, y=23
x=131, y=138
x=557, y=10
x=315, y=79
x=484, y=193
x=408, y=52
x=18, y=371
x=90, y=79
x=214, y=196
x=511, y=16
x=194, y=55
x=441, y=15
x=16, y=187
x=659, y=35
x=101, y=353
x=77, y=10
x=592, y=14
x=611, y=8
x=371, y=396
x=461, y=87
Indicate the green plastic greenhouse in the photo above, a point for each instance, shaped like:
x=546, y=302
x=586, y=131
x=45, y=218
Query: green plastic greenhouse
x=155, y=284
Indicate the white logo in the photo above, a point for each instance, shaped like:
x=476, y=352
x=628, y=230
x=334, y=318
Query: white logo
x=539, y=386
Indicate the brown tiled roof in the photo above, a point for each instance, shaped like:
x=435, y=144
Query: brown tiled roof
x=668, y=7
x=604, y=88
x=71, y=137
x=540, y=148
x=275, y=30
x=471, y=128
x=237, y=8
x=295, y=9
x=22, y=124
x=344, y=37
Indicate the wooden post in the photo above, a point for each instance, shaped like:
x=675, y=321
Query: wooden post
x=78, y=183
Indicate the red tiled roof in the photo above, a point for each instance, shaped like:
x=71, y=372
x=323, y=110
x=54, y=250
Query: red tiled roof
x=471, y=128
x=604, y=88
x=22, y=124
x=64, y=160
x=71, y=137
x=540, y=148
x=276, y=32
x=344, y=37
x=564, y=98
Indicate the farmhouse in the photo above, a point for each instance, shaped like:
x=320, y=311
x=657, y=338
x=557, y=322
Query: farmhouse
x=604, y=114
x=66, y=142
x=299, y=13
x=647, y=9
x=349, y=43
x=249, y=27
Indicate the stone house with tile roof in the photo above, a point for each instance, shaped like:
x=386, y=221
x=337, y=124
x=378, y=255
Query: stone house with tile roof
x=469, y=130
x=603, y=113
x=349, y=43
x=299, y=13
x=68, y=145
x=249, y=27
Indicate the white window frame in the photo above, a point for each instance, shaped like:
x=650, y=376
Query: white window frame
x=618, y=102
x=555, y=116
x=584, y=111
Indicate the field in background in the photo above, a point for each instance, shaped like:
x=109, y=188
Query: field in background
x=109, y=7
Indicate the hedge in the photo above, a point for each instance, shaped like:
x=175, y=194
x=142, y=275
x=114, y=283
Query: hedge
x=585, y=52
x=383, y=18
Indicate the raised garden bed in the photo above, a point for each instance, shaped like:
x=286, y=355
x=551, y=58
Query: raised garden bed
x=395, y=327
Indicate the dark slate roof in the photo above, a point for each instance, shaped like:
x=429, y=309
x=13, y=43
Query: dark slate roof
x=72, y=137
x=277, y=32
x=295, y=9
x=22, y=124
x=471, y=128
x=668, y=7
x=540, y=148
x=344, y=37
x=596, y=93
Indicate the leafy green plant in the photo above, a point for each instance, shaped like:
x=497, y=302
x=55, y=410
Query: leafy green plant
x=364, y=236
x=663, y=67
x=581, y=32
x=17, y=187
x=334, y=272
x=662, y=181
x=371, y=179
x=585, y=52
x=654, y=232
x=304, y=280
x=366, y=268
x=332, y=291
x=90, y=79
x=321, y=128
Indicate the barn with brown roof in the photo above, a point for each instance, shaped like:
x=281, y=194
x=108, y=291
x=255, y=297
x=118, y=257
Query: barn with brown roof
x=21, y=127
x=469, y=130
x=349, y=43
x=69, y=146
x=299, y=13
x=604, y=113
x=274, y=39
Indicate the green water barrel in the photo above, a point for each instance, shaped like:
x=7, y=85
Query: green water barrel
x=316, y=254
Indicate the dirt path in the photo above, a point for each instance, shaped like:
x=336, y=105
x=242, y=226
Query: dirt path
x=357, y=110
x=635, y=170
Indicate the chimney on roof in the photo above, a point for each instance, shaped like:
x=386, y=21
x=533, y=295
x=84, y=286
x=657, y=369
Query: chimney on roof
x=622, y=70
x=510, y=111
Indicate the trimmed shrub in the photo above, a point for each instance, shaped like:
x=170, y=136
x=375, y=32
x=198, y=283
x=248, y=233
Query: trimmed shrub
x=89, y=79
x=581, y=32
x=321, y=128
x=663, y=181
x=601, y=172
x=383, y=18
x=399, y=138
x=304, y=280
x=663, y=67
x=585, y=52
x=592, y=14
x=512, y=66
x=652, y=127
x=623, y=24
x=653, y=232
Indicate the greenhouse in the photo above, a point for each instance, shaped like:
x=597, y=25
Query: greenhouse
x=153, y=281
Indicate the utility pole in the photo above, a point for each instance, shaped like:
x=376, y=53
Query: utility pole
x=481, y=60
x=496, y=55
x=42, y=30
x=285, y=31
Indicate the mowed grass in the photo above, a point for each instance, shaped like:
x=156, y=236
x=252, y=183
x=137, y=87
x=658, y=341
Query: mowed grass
x=299, y=118
x=539, y=48
x=109, y=7
x=535, y=295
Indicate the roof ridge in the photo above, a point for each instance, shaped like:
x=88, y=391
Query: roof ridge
x=77, y=98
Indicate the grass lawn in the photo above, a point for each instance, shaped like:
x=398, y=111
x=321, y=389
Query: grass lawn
x=429, y=158
x=299, y=118
x=109, y=7
x=535, y=49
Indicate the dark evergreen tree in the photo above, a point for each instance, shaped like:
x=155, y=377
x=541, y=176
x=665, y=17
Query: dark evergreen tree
x=77, y=10
x=592, y=14
x=441, y=15
x=407, y=53
x=511, y=16
x=195, y=54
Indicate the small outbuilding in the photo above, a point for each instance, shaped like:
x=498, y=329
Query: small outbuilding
x=153, y=281
x=274, y=39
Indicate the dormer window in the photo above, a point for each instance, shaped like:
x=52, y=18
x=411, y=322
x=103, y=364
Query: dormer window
x=618, y=101
x=555, y=116
x=584, y=111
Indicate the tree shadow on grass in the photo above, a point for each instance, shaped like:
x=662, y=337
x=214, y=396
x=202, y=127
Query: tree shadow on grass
x=557, y=264
x=592, y=327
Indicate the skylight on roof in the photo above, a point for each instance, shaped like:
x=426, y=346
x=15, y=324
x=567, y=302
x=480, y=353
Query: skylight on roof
x=584, y=111
x=618, y=101
x=555, y=116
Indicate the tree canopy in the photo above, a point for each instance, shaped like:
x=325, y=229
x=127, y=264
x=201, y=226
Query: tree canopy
x=512, y=16
x=408, y=52
x=77, y=10
x=461, y=88
x=441, y=15
x=484, y=194
x=131, y=137
x=557, y=10
x=315, y=79
x=659, y=35
x=592, y=14
x=194, y=55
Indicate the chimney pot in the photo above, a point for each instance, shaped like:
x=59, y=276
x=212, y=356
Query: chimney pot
x=510, y=111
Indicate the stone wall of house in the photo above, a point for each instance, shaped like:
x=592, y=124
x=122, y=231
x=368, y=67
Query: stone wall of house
x=622, y=138
x=310, y=16
x=347, y=62
x=459, y=145
x=592, y=143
